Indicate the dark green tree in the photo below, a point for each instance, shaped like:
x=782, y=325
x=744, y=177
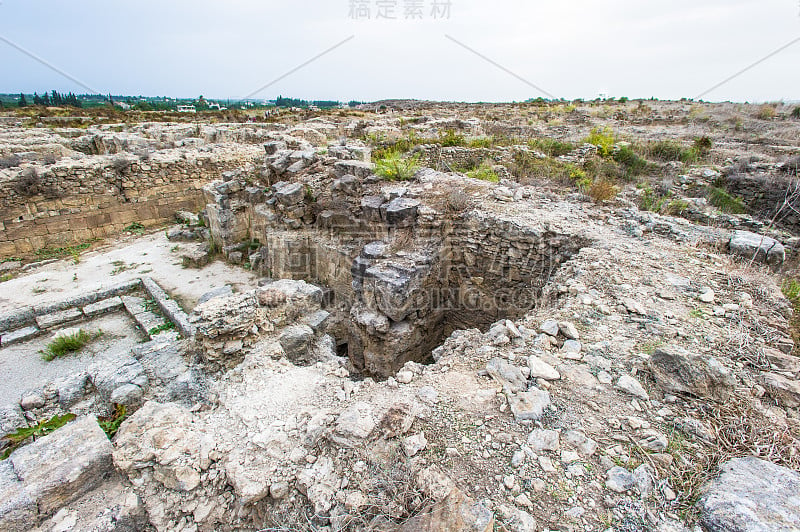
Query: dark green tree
x=22, y=101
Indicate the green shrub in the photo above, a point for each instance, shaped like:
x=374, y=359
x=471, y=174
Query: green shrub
x=395, y=167
x=481, y=142
x=632, y=164
x=720, y=199
x=383, y=148
x=64, y=345
x=484, y=172
x=450, y=139
x=676, y=207
x=670, y=150
x=604, y=139
x=652, y=200
x=551, y=147
x=665, y=150
x=526, y=166
x=796, y=112
x=16, y=439
x=791, y=289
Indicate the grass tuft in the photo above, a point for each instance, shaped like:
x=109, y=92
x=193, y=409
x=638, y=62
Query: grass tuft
x=65, y=345
x=725, y=202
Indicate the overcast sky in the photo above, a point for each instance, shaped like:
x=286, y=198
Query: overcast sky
x=568, y=48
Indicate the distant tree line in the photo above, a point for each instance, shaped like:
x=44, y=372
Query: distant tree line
x=295, y=102
x=54, y=98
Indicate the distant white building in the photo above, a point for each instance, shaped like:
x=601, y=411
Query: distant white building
x=216, y=107
x=122, y=105
x=187, y=109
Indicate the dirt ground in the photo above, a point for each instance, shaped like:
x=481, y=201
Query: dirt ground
x=24, y=369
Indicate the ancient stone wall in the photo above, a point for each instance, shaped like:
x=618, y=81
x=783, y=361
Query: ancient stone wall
x=67, y=205
x=764, y=195
x=400, y=275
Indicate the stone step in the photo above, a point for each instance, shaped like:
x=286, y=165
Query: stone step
x=53, y=319
x=105, y=306
x=19, y=335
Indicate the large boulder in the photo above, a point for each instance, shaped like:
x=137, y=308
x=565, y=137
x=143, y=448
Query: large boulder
x=116, y=370
x=64, y=465
x=296, y=343
x=394, y=287
x=288, y=193
x=401, y=212
x=785, y=391
x=677, y=371
x=752, y=495
x=456, y=513
x=763, y=248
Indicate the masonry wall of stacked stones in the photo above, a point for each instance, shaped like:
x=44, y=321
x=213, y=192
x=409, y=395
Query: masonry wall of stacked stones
x=401, y=275
x=74, y=204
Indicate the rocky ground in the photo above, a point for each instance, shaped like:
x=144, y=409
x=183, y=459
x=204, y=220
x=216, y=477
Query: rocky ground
x=653, y=385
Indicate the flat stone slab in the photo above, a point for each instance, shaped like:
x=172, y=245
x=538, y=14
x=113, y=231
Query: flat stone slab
x=134, y=305
x=20, y=335
x=105, y=306
x=62, y=466
x=148, y=321
x=752, y=495
x=47, y=321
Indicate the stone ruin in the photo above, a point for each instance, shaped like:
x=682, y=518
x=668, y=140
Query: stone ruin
x=411, y=360
x=399, y=274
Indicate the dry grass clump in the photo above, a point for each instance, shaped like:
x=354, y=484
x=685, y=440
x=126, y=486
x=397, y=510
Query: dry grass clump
x=739, y=430
x=603, y=190
x=766, y=112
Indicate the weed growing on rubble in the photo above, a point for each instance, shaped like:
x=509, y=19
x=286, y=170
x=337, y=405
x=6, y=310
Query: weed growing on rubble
x=450, y=139
x=111, y=424
x=136, y=228
x=551, y=147
x=796, y=112
x=395, y=167
x=16, y=439
x=60, y=253
x=65, y=345
x=166, y=326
